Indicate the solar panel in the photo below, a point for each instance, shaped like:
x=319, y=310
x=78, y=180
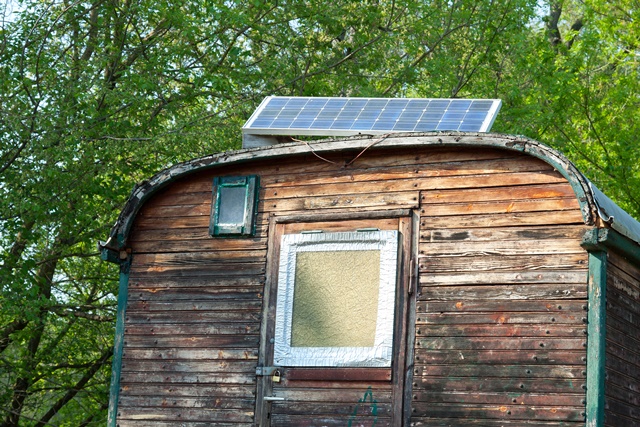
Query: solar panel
x=294, y=115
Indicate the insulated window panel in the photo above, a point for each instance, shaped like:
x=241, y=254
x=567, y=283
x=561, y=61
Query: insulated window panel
x=336, y=299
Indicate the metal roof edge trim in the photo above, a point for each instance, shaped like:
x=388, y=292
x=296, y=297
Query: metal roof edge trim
x=615, y=216
x=605, y=239
x=119, y=233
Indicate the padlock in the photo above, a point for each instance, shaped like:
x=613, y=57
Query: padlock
x=276, y=376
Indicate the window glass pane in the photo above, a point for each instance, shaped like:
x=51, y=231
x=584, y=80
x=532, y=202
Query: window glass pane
x=232, y=205
x=335, y=302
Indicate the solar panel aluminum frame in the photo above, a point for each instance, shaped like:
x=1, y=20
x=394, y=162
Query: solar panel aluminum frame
x=432, y=114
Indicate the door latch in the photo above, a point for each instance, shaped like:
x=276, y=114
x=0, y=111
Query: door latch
x=276, y=376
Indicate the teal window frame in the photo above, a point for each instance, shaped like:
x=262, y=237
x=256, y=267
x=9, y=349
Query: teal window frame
x=223, y=187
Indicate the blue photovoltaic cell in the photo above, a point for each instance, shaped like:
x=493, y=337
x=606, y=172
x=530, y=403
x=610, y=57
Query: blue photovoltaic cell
x=348, y=116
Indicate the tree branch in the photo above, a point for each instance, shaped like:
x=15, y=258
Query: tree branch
x=5, y=335
x=95, y=367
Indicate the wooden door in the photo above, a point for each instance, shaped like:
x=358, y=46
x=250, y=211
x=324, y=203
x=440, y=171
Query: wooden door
x=346, y=367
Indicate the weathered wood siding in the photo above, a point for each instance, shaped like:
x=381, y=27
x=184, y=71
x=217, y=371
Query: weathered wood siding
x=622, y=365
x=501, y=331
x=192, y=318
x=500, y=315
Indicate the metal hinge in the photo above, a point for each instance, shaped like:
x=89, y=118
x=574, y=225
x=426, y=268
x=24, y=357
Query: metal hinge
x=265, y=371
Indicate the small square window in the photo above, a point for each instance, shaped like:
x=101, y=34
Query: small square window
x=336, y=299
x=234, y=206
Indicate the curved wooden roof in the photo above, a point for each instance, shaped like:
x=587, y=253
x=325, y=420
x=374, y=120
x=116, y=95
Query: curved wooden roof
x=593, y=202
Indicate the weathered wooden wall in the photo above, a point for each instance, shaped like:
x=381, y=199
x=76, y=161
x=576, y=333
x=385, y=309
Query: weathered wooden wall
x=622, y=365
x=500, y=315
x=500, y=336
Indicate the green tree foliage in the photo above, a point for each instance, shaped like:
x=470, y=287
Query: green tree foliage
x=579, y=91
x=97, y=95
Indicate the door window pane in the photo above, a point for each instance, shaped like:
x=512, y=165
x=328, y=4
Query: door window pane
x=335, y=306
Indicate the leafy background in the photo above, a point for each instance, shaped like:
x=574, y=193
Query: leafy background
x=96, y=96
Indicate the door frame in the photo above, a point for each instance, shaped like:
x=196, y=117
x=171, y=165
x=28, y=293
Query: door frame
x=404, y=323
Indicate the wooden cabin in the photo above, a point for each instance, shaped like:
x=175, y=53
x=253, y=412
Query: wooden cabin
x=427, y=279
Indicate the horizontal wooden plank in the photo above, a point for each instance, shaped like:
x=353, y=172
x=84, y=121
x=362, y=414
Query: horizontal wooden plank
x=498, y=318
x=333, y=391
x=624, y=410
x=185, y=414
x=155, y=390
x=340, y=409
x=210, y=269
x=497, y=343
x=188, y=366
x=283, y=420
x=576, y=399
x=613, y=419
x=622, y=394
x=330, y=384
x=505, y=292
x=616, y=308
x=408, y=181
x=502, y=247
x=509, y=233
x=622, y=302
x=189, y=327
x=194, y=306
x=185, y=197
x=499, y=422
x=342, y=225
x=393, y=169
x=200, y=222
x=513, y=219
x=138, y=236
x=192, y=245
x=192, y=354
x=337, y=374
x=374, y=200
x=194, y=294
x=462, y=305
x=134, y=380
x=512, y=412
x=156, y=282
x=500, y=191
x=628, y=359
x=300, y=168
x=460, y=263
x=509, y=206
x=156, y=423
x=189, y=259
x=558, y=278
x=193, y=341
x=496, y=385
x=478, y=371
x=543, y=356
x=180, y=403
x=621, y=332
x=622, y=382
x=617, y=264
x=222, y=314
x=506, y=331
x=623, y=366
x=199, y=209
